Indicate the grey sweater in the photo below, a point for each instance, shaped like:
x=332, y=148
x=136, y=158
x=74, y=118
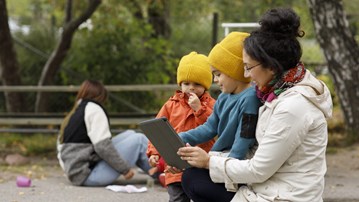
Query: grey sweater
x=84, y=140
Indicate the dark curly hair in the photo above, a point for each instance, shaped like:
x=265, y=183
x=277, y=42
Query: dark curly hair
x=274, y=44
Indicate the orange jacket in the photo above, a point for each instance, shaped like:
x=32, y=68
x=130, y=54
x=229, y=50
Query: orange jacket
x=183, y=118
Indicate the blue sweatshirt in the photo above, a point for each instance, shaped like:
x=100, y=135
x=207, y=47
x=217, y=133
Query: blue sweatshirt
x=234, y=120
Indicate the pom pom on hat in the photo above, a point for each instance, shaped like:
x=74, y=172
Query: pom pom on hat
x=195, y=67
x=226, y=56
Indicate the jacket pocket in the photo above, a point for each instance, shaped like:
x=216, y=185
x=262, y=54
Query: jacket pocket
x=249, y=124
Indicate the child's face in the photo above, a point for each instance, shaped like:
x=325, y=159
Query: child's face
x=192, y=87
x=226, y=84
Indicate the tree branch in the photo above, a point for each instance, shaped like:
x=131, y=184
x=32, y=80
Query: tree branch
x=68, y=11
x=58, y=55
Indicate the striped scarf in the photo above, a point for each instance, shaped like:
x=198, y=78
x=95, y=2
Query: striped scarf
x=280, y=84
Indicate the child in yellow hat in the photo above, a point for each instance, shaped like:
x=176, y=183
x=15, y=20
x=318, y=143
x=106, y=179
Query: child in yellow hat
x=186, y=109
x=234, y=117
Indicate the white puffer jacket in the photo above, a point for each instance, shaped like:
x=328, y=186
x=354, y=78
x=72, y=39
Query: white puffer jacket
x=289, y=164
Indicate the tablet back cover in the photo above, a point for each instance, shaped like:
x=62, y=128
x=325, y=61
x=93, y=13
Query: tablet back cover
x=165, y=139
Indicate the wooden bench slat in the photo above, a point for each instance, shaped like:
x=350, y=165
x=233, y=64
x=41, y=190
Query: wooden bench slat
x=58, y=121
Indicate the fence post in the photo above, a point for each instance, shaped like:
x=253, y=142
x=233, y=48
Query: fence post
x=215, y=29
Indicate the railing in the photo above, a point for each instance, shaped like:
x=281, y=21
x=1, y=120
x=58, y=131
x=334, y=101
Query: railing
x=71, y=88
x=50, y=122
x=226, y=26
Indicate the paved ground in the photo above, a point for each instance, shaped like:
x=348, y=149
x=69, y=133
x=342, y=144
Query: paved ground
x=49, y=184
x=342, y=178
x=54, y=187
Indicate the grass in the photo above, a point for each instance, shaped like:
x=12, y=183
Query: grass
x=338, y=137
x=28, y=144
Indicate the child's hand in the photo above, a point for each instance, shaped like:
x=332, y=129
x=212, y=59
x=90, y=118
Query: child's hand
x=194, y=102
x=129, y=174
x=153, y=160
x=172, y=170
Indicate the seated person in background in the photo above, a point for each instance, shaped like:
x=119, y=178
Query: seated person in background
x=86, y=150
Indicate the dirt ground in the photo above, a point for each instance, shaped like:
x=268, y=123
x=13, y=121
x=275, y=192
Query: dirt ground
x=344, y=160
x=342, y=178
x=340, y=161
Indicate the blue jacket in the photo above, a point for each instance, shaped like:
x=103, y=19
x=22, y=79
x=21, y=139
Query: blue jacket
x=234, y=120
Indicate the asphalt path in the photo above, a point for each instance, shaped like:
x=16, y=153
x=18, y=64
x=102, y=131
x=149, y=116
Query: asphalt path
x=50, y=185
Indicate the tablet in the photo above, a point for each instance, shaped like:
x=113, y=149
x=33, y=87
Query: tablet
x=165, y=139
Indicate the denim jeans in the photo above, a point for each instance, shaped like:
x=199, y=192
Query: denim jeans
x=131, y=146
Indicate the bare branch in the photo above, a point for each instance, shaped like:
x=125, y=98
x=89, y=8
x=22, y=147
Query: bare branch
x=68, y=11
x=58, y=55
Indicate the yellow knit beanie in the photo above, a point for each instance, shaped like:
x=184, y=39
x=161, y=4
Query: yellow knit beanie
x=226, y=56
x=195, y=67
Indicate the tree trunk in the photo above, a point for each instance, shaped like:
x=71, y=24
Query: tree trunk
x=52, y=65
x=158, y=16
x=156, y=13
x=9, y=65
x=342, y=54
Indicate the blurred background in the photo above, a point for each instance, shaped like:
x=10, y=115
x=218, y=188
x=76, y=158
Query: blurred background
x=132, y=42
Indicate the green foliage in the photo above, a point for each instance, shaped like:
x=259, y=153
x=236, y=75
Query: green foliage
x=117, y=45
x=18, y=8
x=35, y=46
x=192, y=20
x=194, y=35
x=330, y=84
x=312, y=53
x=32, y=50
x=120, y=50
x=36, y=144
x=351, y=8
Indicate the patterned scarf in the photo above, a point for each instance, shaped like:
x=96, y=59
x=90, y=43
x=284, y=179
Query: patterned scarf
x=278, y=85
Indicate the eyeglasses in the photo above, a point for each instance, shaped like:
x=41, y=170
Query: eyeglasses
x=248, y=69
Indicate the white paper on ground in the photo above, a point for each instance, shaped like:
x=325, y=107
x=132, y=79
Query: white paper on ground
x=126, y=189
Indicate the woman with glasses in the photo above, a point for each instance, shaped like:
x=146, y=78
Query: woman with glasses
x=289, y=164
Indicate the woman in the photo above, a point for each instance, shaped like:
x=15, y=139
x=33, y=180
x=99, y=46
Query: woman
x=289, y=164
x=86, y=150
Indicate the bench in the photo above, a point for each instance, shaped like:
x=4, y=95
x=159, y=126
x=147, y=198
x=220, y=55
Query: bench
x=50, y=123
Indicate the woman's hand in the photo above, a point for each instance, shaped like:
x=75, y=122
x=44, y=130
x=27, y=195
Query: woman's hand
x=129, y=174
x=153, y=160
x=195, y=156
